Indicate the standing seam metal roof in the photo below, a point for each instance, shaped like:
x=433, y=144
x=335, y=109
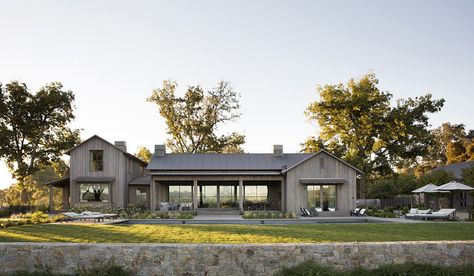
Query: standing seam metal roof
x=215, y=161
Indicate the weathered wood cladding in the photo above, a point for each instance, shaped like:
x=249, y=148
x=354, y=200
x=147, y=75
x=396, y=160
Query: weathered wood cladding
x=116, y=164
x=296, y=195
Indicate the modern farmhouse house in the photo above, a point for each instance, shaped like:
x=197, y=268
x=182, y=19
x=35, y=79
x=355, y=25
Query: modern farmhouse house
x=104, y=173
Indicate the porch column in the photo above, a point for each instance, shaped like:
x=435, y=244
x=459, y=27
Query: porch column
x=283, y=195
x=152, y=195
x=65, y=198
x=51, y=203
x=241, y=195
x=195, y=194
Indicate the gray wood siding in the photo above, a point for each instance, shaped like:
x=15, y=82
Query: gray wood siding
x=116, y=164
x=296, y=195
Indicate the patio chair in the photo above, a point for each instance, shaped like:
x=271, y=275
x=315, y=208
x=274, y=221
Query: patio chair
x=361, y=212
x=71, y=216
x=164, y=206
x=411, y=214
x=445, y=214
x=354, y=212
x=107, y=216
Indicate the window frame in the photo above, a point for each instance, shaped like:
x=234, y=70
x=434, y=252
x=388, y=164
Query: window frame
x=93, y=163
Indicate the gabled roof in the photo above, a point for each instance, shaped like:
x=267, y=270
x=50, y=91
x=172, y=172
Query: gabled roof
x=232, y=162
x=225, y=162
x=326, y=152
x=131, y=156
x=456, y=168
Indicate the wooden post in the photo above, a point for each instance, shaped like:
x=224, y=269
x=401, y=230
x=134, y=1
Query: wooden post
x=51, y=200
x=283, y=196
x=152, y=195
x=241, y=195
x=195, y=194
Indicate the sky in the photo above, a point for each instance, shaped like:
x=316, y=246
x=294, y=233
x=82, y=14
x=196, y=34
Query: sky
x=112, y=54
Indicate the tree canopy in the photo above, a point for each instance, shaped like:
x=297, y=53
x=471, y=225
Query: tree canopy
x=144, y=154
x=193, y=120
x=358, y=123
x=34, y=128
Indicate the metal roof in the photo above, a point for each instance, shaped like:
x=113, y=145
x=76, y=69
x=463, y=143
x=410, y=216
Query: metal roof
x=454, y=186
x=129, y=155
x=456, y=168
x=225, y=162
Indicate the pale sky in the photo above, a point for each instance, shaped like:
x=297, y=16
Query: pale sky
x=112, y=54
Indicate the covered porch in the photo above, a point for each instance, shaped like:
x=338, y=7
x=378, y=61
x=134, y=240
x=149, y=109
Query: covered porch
x=240, y=193
x=64, y=185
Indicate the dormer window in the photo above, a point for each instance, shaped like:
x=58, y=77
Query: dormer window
x=97, y=160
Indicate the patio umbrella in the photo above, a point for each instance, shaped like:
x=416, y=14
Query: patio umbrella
x=428, y=189
x=454, y=186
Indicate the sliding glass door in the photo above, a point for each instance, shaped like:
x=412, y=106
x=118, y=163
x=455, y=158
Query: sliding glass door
x=322, y=197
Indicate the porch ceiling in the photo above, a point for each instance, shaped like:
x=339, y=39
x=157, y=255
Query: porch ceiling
x=61, y=183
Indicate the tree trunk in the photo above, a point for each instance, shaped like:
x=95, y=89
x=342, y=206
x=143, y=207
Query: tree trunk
x=362, y=187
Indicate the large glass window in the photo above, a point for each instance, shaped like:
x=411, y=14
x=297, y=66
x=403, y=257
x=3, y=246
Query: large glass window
x=314, y=197
x=208, y=196
x=141, y=196
x=96, y=160
x=180, y=194
x=329, y=198
x=228, y=196
x=322, y=197
x=94, y=192
x=257, y=193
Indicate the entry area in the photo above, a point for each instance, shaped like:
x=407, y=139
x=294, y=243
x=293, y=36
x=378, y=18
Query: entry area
x=218, y=194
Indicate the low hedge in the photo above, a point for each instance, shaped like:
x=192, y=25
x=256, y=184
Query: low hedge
x=268, y=215
x=135, y=212
x=29, y=218
x=312, y=268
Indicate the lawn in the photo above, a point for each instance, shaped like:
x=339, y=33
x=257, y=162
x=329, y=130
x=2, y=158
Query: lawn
x=237, y=233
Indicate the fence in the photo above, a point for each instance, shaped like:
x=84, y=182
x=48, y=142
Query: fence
x=385, y=202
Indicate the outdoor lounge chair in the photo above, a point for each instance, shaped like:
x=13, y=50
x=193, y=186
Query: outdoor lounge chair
x=411, y=214
x=361, y=212
x=445, y=214
x=354, y=212
x=107, y=216
x=71, y=216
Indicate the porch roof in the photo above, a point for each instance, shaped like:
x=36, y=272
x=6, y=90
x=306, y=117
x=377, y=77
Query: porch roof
x=63, y=182
x=94, y=179
x=335, y=181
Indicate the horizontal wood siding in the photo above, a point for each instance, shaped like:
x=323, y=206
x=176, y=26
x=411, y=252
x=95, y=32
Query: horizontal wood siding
x=296, y=195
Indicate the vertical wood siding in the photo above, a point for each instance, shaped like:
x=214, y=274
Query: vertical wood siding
x=116, y=164
x=296, y=195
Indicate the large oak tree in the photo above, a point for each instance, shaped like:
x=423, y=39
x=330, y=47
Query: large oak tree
x=193, y=120
x=358, y=123
x=34, y=127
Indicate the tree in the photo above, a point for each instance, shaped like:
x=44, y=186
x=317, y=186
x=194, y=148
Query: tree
x=33, y=191
x=144, y=154
x=359, y=124
x=452, y=144
x=193, y=120
x=34, y=127
x=468, y=176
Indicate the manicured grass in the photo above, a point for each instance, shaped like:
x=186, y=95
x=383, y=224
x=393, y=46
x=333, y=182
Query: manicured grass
x=238, y=233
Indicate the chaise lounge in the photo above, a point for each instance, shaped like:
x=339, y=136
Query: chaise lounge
x=72, y=216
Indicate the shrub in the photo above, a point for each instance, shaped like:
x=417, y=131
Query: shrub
x=29, y=218
x=267, y=214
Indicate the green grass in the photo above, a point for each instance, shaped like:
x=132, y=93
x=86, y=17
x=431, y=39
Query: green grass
x=90, y=233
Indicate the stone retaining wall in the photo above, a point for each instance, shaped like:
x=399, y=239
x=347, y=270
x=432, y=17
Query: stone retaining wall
x=220, y=259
